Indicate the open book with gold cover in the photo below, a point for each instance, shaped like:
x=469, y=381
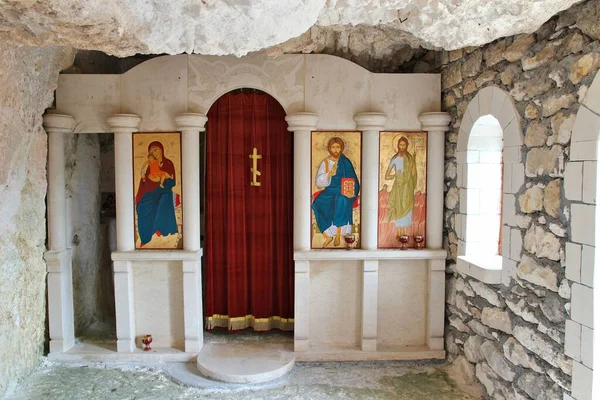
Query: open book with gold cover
x=348, y=187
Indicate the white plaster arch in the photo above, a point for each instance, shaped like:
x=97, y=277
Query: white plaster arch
x=237, y=87
x=495, y=102
x=210, y=78
x=582, y=335
x=92, y=125
x=219, y=95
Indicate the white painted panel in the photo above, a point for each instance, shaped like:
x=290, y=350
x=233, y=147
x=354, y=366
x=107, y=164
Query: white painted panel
x=582, y=305
x=89, y=99
x=209, y=77
x=337, y=91
x=582, y=382
x=403, y=97
x=573, y=260
x=156, y=91
x=587, y=346
x=589, y=177
x=582, y=228
x=574, y=180
x=587, y=265
x=402, y=308
x=484, y=176
x=335, y=304
x=158, y=302
x=573, y=340
x=586, y=127
x=518, y=177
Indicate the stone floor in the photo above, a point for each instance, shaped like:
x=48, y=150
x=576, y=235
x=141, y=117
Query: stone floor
x=366, y=380
x=382, y=380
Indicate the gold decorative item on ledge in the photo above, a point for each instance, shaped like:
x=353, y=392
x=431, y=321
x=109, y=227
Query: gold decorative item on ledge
x=350, y=241
x=403, y=239
x=419, y=239
x=147, y=339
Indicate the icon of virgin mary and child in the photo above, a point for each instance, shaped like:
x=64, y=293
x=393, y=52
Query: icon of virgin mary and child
x=333, y=204
x=155, y=200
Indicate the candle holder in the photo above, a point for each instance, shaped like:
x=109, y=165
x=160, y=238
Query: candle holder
x=147, y=339
x=419, y=239
x=350, y=241
x=403, y=239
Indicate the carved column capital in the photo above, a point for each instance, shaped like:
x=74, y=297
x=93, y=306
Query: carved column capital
x=435, y=121
x=370, y=121
x=60, y=123
x=302, y=121
x=124, y=123
x=191, y=122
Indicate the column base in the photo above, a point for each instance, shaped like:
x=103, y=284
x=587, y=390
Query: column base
x=435, y=343
x=126, y=345
x=60, y=346
x=193, y=346
x=192, y=304
x=60, y=300
x=369, y=345
x=301, y=345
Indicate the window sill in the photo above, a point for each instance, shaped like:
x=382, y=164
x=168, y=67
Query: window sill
x=487, y=269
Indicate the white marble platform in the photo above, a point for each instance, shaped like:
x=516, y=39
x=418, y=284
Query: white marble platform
x=107, y=352
x=246, y=362
x=383, y=353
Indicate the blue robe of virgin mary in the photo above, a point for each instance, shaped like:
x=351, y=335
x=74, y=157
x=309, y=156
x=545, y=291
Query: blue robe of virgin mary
x=330, y=206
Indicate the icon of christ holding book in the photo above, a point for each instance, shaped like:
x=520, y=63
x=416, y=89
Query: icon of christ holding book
x=333, y=205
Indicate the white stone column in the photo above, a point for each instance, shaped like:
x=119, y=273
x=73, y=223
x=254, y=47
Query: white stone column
x=435, y=304
x=124, y=305
x=123, y=125
x=370, y=123
x=301, y=305
x=58, y=257
x=190, y=126
x=302, y=124
x=435, y=123
x=369, y=310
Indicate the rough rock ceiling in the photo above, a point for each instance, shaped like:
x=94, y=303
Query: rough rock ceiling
x=127, y=27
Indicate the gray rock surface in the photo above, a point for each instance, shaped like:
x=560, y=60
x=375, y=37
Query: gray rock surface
x=28, y=77
x=136, y=26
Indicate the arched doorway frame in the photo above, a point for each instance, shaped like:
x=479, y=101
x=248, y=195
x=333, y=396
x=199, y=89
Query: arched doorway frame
x=203, y=199
x=233, y=88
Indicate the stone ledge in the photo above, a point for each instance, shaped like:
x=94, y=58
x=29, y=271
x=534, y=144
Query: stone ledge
x=487, y=269
x=107, y=352
x=156, y=255
x=383, y=353
x=357, y=254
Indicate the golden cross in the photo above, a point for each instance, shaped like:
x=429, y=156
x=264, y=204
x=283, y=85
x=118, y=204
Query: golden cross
x=255, y=172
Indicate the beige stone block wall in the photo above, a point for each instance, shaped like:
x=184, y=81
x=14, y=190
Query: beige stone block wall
x=511, y=339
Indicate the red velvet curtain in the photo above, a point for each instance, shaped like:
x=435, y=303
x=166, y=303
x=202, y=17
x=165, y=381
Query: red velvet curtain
x=248, y=268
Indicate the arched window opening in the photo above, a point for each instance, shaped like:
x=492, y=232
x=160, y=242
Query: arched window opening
x=484, y=188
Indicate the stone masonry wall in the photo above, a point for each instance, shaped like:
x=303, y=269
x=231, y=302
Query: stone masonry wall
x=28, y=77
x=510, y=339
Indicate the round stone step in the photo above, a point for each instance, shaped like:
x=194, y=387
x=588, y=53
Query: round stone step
x=245, y=362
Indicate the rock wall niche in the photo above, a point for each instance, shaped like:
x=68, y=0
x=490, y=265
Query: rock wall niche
x=92, y=275
x=28, y=77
